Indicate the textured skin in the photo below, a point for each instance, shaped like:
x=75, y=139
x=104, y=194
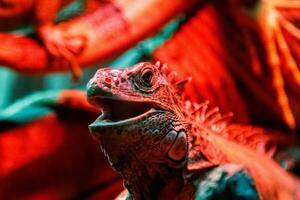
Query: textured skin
x=163, y=146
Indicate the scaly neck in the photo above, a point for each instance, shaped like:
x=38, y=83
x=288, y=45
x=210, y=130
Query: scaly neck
x=150, y=181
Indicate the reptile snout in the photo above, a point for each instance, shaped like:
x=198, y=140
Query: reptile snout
x=103, y=82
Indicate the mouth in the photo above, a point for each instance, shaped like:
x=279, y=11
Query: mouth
x=116, y=112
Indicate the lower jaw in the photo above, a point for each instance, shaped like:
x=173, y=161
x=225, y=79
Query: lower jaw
x=100, y=124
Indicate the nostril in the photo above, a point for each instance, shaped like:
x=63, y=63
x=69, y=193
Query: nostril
x=108, y=82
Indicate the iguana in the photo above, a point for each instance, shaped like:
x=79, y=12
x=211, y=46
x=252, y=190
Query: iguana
x=167, y=148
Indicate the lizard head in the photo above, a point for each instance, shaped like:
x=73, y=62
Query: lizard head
x=141, y=118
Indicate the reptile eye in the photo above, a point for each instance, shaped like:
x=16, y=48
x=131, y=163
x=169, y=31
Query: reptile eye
x=147, y=77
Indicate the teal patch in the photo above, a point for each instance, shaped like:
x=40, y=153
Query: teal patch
x=222, y=185
x=94, y=90
x=30, y=108
x=25, y=29
x=73, y=9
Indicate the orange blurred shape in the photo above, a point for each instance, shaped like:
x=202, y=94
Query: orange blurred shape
x=54, y=157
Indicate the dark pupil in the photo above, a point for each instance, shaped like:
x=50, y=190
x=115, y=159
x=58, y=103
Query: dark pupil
x=147, y=77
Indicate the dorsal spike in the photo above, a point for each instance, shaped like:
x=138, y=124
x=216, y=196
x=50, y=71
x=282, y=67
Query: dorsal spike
x=198, y=106
x=164, y=68
x=179, y=86
x=212, y=112
x=216, y=118
x=201, y=105
x=157, y=64
x=172, y=77
x=188, y=105
x=203, y=112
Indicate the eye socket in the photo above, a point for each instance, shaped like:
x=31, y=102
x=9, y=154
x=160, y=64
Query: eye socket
x=147, y=77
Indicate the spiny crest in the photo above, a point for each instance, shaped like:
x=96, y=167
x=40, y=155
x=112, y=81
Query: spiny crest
x=172, y=77
x=210, y=118
x=197, y=113
x=204, y=120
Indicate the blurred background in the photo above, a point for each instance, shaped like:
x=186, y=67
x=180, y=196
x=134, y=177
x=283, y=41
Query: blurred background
x=242, y=56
